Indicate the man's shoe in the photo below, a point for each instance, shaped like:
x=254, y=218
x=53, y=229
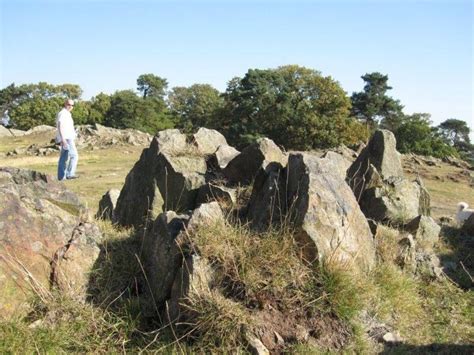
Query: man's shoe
x=72, y=177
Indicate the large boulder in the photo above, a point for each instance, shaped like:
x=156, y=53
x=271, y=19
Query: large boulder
x=172, y=266
x=167, y=177
x=265, y=207
x=325, y=214
x=381, y=152
x=384, y=194
x=395, y=200
x=208, y=140
x=161, y=254
x=425, y=231
x=221, y=157
x=45, y=240
x=340, y=161
x=245, y=166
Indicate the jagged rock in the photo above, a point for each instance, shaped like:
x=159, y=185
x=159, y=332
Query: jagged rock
x=428, y=265
x=267, y=199
x=457, y=162
x=208, y=140
x=107, y=205
x=172, y=267
x=376, y=177
x=396, y=200
x=406, y=253
x=205, y=215
x=381, y=153
x=327, y=218
x=222, y=156
x=425, y=231
x=161, y=254
x=211, y=192
x=255, y=345
x=40, y=128
x=165, y=178
x=468, y=226
x=44, y=241
x=171, y=141
x=341, y=162
x=193, y=278
x=244, y=167
x=4, y=132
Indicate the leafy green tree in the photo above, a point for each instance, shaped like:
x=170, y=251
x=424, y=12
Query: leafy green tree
x=373, y=105
x=194, y=106
x=11, y=96
x=35, y=104
x=127, y=110
x=98, y=108
x=151, y=85
x=295, y=106
x=455, y=131
x=415, y=135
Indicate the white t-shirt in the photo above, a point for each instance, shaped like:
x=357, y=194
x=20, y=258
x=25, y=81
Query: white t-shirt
x=64, y=119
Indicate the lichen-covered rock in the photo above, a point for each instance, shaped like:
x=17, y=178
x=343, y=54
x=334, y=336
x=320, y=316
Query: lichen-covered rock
x=44, y=239
x=221, y=157
x=167, y=177
x=376, y=178
x=325, y=213
x=245, y=166
x=208, y=140
x=172, y=267
x=425, y=231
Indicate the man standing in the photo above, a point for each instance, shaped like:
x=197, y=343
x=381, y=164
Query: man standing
x=65, y=136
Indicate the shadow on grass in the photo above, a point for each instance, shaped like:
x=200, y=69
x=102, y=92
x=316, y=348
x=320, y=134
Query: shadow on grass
x=117, y=282
x=458, y=264
x=400, y=348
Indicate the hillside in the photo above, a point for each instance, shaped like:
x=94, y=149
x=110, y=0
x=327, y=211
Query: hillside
x=388, y=309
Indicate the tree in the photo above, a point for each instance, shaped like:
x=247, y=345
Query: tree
x=455, y=131
x=415, y=135
x=98, y=108
x=127, y=110
x=295, y=106
x=151, y=85
x=196, y=106
x=374, y=106
x=34, y=104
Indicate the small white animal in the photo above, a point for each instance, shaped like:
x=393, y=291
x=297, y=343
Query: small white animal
x=463, y=212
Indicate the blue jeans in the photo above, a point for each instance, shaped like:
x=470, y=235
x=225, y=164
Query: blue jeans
x=67, y=160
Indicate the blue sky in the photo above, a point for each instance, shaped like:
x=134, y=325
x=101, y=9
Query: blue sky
x=425, y=47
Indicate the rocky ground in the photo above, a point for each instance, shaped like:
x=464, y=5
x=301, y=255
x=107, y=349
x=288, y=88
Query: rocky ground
x=263, y=278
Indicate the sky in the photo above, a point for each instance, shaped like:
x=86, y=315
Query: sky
x=425, y=47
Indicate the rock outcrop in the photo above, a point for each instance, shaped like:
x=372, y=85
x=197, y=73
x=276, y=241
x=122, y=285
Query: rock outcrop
x=377, y=179
x=174, y=270
x=245, y=166
x=167, y=177
x=328, y=221
x=311, y=195
x=44, y=239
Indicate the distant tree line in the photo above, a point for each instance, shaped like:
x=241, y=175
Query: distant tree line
x=295, y=106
